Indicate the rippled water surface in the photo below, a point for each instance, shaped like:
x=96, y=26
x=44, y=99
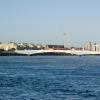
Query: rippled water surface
x=50, y=78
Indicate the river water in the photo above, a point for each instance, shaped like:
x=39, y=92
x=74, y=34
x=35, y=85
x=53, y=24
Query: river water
x=49, y=78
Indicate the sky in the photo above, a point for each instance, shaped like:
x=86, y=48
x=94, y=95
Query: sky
x=46, y=21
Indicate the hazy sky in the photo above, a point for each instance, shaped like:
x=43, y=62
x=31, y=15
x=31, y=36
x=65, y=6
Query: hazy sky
x=45, y=21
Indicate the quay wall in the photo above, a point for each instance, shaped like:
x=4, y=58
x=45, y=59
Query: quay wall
x=76, y=52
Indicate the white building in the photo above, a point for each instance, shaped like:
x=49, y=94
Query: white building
x=90, y=46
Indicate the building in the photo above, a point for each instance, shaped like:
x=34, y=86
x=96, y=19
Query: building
x=90, y=46
x=55, y=47
x=9, y=46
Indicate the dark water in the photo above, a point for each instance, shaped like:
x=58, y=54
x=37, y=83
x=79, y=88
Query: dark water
x=50, y=78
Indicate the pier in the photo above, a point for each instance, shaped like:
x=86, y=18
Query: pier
x=71, y=52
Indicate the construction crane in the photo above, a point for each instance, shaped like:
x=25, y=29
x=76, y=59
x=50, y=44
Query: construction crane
x=67, y=40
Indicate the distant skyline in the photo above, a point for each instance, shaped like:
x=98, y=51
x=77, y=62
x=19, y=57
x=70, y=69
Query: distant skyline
x=46, y=21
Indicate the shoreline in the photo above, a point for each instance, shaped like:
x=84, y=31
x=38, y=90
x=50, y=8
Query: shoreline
x=13, y=53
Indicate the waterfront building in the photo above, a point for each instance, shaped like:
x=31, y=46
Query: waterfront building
x=23, y=46
x=55, y=47
x=90, y=46
x=9, y=46
x=97, y=47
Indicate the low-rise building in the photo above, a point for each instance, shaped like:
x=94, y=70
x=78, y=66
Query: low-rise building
x=9, y=46
x=55, y=47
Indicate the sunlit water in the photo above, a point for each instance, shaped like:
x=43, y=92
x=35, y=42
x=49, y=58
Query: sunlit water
x=50, y=78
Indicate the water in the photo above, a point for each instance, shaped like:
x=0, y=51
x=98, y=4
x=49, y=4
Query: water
x=50, y=78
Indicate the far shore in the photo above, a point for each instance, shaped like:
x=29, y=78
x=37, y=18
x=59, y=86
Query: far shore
x=13, y=53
